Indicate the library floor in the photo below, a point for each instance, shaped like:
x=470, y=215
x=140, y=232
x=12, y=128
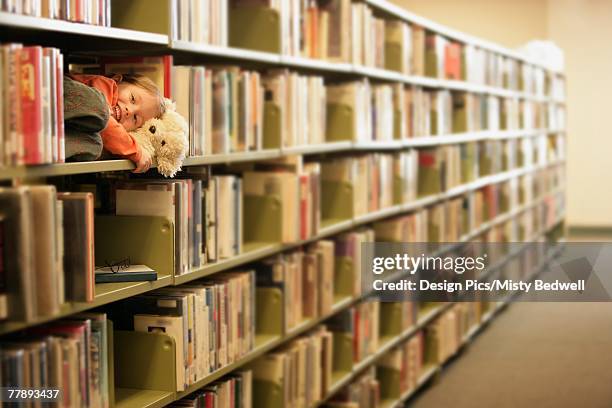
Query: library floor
x=532, y=355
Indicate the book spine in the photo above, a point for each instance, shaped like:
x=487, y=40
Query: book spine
x=31, y=103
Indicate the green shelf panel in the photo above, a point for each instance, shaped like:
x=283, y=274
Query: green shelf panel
x=135, y=398
x=255, y=28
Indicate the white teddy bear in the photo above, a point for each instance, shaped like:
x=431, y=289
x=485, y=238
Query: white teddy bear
x=166, y=139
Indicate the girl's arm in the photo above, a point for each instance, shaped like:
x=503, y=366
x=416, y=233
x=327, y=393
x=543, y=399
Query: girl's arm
x=118, y=141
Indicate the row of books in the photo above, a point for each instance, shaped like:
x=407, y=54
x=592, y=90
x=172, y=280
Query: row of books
x=391, y=112
x=312, y=277
x=345, y=31
x=350, y=32
x=363, y=392
x=47, y=250
x=208, y=214
x=31, y=105
x=302, y=369
x=446, y=334
x=181, y=202
x=96, y=12
x=199, y=21
x=306, y=279
x=309, y=192
x=224, y=108
x=233, y=391
x=234, y=110
x=389, y=178
x=212, y=321
x=230, y=110
x=69, y=355
x=405, y=362
x=451, y=220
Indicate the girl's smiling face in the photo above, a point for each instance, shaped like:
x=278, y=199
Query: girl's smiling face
x=134, y=106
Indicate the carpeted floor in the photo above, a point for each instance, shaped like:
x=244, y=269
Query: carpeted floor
x=544, y=355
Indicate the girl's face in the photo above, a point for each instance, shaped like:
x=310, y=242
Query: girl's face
x=134, y=106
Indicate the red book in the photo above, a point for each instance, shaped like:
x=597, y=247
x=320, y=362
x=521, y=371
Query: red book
x=30, y=85
x=59, y=106
x=452, y=61
x=426, y=159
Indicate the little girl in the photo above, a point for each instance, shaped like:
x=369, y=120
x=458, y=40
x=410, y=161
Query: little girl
x=132, y=100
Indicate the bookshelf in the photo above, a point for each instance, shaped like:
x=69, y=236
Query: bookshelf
x=158, y=390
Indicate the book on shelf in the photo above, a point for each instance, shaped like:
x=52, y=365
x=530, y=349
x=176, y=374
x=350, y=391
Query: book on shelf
x=204, y=22
x=120, y=273
x=319, y=258
x=364, y=392
x=336, y=175
x=359, y=323
x=47, y=266
x=398, y=371
x=286, y=273
x=302, y=370
x=284, y=186
x=435, y=52
x=32, y=105
x=398, y=46
x=229, y=192
x=454, y=220
x=468, y=161
x=452, y=61
x=212, y=321
x=441, y=113
x=233, y=390
x=235, y=106
x=348, y=247
x=163, y=198
x=301, y=101
x=40, y=224
x=436, y=223
x=348, y=111
x=444, y=336
x=78, y=241
x=88, y=12
x=430, y=173
x=70, y=355
x=404, y=228
x=405, y=176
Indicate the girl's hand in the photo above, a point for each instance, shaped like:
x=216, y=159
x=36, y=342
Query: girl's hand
x=144, y=163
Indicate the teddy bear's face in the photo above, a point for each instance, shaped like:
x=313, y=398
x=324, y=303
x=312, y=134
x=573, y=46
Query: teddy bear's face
x=170, y=148
x=167, y=138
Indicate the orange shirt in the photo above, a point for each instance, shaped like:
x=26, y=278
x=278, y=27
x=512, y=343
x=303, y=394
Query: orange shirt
x=115, y=138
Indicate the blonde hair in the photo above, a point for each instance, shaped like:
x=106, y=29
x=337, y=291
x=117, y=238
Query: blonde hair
x=144, y=82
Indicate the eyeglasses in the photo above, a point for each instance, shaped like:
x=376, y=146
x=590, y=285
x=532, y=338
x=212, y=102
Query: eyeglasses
x=118, y=266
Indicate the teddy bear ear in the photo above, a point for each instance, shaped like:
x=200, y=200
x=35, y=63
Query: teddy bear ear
x=169, y=104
